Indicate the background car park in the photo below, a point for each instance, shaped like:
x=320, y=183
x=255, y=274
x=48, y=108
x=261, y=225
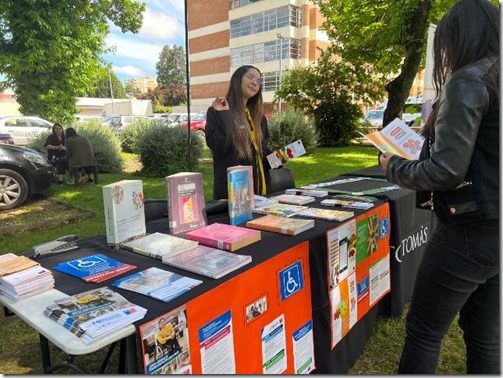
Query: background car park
x=119, y=122
x=374, y=118
x=24, y=129
x=197, y=122
x=23, y=172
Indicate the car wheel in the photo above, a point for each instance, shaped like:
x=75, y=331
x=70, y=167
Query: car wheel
x=13, y=189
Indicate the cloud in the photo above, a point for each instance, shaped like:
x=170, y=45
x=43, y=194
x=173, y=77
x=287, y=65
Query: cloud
x=160, y=26
x=128, y=71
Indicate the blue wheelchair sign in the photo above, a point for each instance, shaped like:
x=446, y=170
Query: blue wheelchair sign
x=383, y=227
x=291, y=280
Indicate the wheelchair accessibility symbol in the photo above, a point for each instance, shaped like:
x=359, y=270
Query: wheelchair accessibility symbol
x=291, y=280
x=383, y=227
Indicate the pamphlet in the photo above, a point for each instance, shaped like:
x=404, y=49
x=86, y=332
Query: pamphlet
x=397, y=138
x=285, y=154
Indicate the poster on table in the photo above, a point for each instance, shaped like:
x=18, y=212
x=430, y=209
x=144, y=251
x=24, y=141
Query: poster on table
x=267, y=328
x=165, y=344
x=358, y=268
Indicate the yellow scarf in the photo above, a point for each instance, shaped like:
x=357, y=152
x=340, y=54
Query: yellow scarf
x=260, y=165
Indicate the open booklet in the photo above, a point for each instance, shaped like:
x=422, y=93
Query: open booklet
x=285, y=154
x=397, y=138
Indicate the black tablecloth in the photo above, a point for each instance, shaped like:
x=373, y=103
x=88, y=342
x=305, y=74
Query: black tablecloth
x=410, y=229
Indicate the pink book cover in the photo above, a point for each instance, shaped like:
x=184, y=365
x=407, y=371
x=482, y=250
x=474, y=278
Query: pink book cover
x=186, y=208
x=224, y=236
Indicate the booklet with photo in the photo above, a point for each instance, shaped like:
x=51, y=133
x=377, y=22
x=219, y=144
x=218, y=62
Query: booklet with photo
x=397, y=138
x=285, y=154
x=208, y=261
x=157, y=283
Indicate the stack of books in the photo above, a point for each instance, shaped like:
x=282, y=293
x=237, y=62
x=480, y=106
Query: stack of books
x=208, y=261
x=326, y=214
x=21, y=277
x=94, y=313
x=280, y=209
x=294, y=199
x=224, y=236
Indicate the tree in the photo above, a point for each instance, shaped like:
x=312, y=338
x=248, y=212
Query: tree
x=386, y=38
x=50, y=49
x=100, y=85
x=171, y=66
x=328, y=91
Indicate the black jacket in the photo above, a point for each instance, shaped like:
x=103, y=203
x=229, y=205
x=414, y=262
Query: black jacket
x=217, y=130
x=462, y=167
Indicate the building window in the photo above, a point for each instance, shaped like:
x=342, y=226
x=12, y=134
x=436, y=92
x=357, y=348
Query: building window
x=241, y=3
x=265, y=21
x=271, y=81
x=266, y=52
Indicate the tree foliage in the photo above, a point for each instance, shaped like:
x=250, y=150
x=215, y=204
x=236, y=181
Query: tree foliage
x=50, y=50
x=171, y=66
x=386, y=38
x=100, y=85
x=328, y=92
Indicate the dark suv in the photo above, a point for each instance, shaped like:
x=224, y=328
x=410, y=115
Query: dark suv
x=23, y=172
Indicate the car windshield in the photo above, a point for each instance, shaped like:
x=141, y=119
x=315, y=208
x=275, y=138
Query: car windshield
x=199, y=117
x=375, y=114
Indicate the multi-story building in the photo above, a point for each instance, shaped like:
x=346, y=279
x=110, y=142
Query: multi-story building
x=143, y=85
x=273, y=35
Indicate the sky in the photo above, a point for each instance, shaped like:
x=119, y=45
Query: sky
x=135, y=55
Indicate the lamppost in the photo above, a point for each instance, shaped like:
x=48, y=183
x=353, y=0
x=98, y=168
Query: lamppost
x=281, y=38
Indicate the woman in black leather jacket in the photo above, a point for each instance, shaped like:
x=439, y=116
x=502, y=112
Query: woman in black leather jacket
x=459, y=172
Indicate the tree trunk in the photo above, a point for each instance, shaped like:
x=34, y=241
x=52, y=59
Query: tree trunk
x=398, y=89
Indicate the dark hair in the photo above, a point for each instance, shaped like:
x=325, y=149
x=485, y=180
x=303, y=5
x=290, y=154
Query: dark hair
x=468, y=32
x=240, y=136
x=57, y=124
x=70, y=132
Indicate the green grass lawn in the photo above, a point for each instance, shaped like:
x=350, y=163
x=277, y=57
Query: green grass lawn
x=19, y=348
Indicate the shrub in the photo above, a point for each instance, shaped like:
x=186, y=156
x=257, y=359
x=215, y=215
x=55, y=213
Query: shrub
x=164, y=151
x=130, y=136
x=106, y=145
x=336, y=121
x=289, y=126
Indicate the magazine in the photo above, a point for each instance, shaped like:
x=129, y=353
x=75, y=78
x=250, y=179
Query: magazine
x=326, y=214
x=294, y=199
x=281, y=225
x=208, y=261
x=95, y=268
x=224, y=236
x=347, y=203
x=157, y=283
x=157, y=245
x=397, y=138
x=281, y=209
x=94, y=313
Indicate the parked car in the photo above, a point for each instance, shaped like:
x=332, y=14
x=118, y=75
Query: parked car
x=24, y=129
x=23, y=172
x=6, y=138
x=197, y=122
x=412, y=109
x=374, y=118
x=183, y=117
x=119, y=122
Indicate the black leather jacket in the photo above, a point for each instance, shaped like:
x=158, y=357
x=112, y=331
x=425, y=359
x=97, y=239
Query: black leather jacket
x=461, y=169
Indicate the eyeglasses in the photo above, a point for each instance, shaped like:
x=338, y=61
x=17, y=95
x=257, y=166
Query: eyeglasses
x=250, y=77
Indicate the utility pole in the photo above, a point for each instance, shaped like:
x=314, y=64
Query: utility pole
x=111, y=88
x=281, y=38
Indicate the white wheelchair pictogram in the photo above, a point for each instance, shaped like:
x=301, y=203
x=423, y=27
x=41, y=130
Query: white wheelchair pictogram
x=291, y=285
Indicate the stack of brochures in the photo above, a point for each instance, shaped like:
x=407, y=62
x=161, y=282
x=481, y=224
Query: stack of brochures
x=21, y=277
x=294, y=199
x=280, y=209
x=94, y=313
x=157, y=245
x=157, y=283
x=208, y=261
x=281, y=225
x=326, y=214
x=96, y=268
